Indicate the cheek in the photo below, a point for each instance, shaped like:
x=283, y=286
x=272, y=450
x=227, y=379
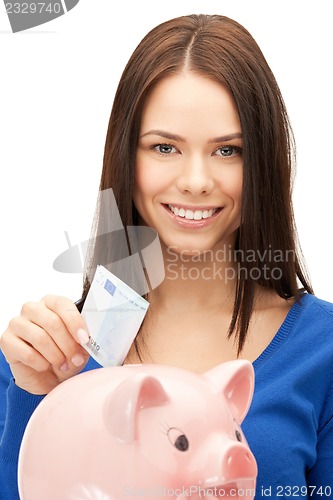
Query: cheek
x=149, y=180
x=145, y=185
x=144, y=181
x=232, y=185
x=239, y=191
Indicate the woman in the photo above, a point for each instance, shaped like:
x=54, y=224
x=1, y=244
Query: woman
x=200, y=148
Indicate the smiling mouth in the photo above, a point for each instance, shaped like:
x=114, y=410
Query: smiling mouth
x=193, y=214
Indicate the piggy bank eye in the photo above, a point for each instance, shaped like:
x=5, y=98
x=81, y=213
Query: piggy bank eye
x=238, y=436
x=178, y=439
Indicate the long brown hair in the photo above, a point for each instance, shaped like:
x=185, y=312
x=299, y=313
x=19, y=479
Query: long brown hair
x=222, y=49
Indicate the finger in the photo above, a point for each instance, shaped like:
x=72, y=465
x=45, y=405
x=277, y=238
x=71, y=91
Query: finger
x=38, y=339
x=16, y=350
x=70, y=316
x=53, y=325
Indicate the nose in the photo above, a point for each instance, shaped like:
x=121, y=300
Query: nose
x=196, y=177
x=238, y=462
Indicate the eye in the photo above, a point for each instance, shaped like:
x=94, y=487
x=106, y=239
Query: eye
x=227, y=151
x=238, y=436
x=178, y=439
x=164, y=149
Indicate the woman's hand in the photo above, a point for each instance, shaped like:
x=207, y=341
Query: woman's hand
x=42, y=345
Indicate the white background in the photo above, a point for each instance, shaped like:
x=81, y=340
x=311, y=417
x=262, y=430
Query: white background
x=56, y=90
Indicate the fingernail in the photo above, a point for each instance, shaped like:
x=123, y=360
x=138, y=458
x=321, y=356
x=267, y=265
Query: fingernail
x=82, y=336
x=77, y=360
x=64, y=367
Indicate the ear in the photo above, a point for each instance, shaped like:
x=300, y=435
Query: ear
x=235, y=379
x=122, y=407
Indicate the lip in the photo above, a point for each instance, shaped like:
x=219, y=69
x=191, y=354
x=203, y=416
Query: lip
x=192, y=223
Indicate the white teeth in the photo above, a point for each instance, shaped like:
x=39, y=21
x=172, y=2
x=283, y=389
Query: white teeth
x=190, y=215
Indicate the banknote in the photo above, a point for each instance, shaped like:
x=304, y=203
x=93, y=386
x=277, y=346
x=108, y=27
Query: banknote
x=113, y=313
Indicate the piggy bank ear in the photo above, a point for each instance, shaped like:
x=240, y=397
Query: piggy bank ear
x=235, y=379
x=128, y=399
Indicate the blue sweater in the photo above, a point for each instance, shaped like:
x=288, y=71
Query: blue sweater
x=289, y=426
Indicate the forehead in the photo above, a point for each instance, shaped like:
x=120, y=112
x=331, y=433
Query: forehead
x=190, y=99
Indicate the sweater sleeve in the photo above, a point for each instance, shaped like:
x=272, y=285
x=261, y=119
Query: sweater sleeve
x=320, y=477
x=16, y=408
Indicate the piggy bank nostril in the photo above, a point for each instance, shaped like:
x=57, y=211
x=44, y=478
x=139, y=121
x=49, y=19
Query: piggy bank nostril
x=238, y=461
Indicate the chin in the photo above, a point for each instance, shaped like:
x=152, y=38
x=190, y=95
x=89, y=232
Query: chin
x=197, y=247
x=186, y=250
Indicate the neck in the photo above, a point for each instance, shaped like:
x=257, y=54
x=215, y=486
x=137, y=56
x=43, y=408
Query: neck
x=205, y=279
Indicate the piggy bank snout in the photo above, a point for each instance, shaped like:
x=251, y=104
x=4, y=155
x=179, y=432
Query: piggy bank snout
x=238, y=462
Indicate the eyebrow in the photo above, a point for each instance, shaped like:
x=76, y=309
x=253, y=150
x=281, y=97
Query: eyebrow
x=178, y=138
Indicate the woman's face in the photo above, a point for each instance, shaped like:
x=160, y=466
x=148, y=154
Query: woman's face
x=189, y=164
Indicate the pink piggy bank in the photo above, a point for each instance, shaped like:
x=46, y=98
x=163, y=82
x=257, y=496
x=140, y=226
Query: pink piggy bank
x=148, y=431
